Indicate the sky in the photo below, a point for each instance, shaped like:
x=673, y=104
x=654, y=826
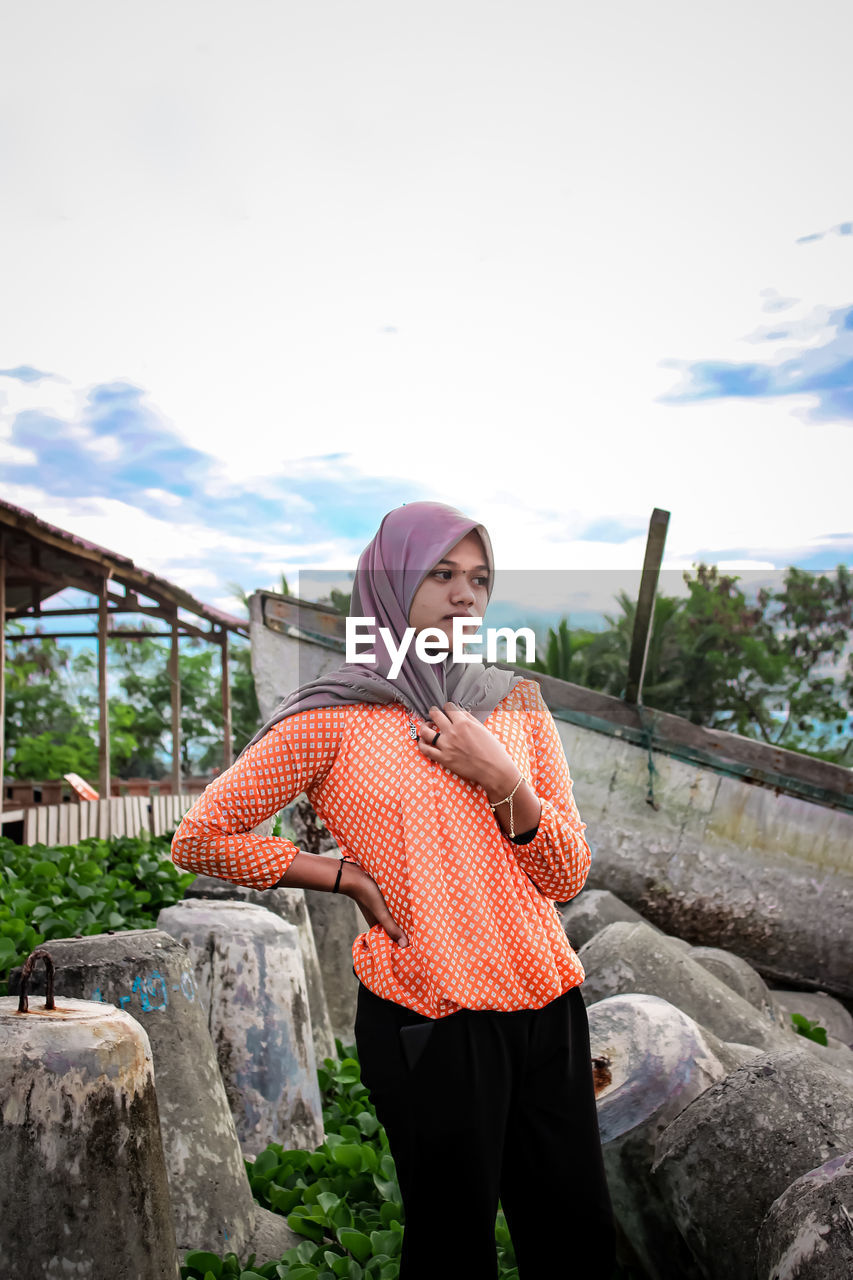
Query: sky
x=272, y=269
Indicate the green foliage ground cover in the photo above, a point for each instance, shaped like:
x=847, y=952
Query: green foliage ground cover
x=85, y=888
x=343, y=1198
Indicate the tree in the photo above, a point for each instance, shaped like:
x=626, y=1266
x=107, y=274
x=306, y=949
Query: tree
x=241, y=594
x=52, y=707
x=47, y=730
x=779, y=668
x=143, y=675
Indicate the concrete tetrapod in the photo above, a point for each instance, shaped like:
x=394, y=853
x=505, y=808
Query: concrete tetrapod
x=651, y=1060
x=336, y=922
x=249, y=972
x=83, y=1186
x=149, y=975
x=738, y=1146
x=626, y=958
x=808, y=1231
x=591, y=911
x=741, y=977
x=290, y=904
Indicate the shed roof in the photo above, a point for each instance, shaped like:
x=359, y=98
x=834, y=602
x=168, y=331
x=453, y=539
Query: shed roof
x=42, y=560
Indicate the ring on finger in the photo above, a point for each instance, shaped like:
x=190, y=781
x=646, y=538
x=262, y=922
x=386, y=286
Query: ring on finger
x=435, y=739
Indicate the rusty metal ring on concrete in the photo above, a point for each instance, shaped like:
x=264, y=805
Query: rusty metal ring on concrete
x=29, y=965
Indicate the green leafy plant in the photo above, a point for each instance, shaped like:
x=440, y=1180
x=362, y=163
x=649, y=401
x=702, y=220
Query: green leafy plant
x=811, y=1030
x=344, y=1197
x=86, y=888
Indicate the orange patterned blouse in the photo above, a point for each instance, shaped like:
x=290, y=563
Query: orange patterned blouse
x=477, y=908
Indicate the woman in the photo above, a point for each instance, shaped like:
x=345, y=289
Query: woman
x=471, y=1029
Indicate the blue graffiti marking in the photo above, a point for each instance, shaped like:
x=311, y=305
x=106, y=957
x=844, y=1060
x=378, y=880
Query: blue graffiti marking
x=152, y=991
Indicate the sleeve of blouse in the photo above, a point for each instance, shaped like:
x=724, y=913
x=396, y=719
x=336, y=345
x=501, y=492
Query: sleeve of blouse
x=214, y=838
x=557, y=858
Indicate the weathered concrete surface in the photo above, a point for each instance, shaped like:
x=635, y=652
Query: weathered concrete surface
x=83, y=1185
x=280, y=665
x=738, y=1146
x=834, y=1052
x=291, y=906
x=808, y=1231
x=336, y=922
x=593, y=909
x=743, y=978
x=721, y=862
x=150, y=975
x=248, y=969
x=651, y=1060
x=625, y=958
x=819, y=1007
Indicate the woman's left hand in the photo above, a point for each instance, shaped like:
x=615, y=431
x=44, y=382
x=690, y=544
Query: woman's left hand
x=466, y=747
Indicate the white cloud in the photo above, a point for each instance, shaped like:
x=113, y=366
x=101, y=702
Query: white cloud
x=729, y=566
x=152, y=543
x=107, y=448
x=195, y=580
x=164, y=497
x=54, y=396
x=274, y=202
x=14, y=454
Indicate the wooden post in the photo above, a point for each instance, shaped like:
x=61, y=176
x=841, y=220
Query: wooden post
x=227, y=750
x=103, y=701
x=175, y=686
x=645, y=605
x=2, y=671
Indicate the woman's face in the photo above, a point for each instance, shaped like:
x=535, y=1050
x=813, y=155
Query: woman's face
x=457, y=585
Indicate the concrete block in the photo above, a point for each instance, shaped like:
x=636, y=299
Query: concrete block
x=650, y=1062
x=83, y=1184
x=625, y=958
x=721, y=862
x=808, y=1231
x=834, y=1052
x=337, y=922
x=593, y=909
x=736, y=1148
x=149, y=975
x=742, y=978
x=248, y=968
x=291, y=906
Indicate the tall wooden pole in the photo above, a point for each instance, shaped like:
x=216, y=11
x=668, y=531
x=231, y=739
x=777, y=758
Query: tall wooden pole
x=175, y=687
x=103, y=702
x=227, y=749
x=645, y=605
x=2, y=671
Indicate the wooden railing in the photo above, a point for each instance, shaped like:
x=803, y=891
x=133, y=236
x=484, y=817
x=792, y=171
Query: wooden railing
x=54, y=824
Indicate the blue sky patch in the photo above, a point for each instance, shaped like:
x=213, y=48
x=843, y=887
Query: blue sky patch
x=824, y=370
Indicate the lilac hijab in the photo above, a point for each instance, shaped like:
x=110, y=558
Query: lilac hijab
x=410, y=542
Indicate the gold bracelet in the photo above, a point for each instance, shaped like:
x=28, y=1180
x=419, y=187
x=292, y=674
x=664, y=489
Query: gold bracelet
x=504, y=801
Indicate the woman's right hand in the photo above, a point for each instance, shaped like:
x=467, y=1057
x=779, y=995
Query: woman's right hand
x=366, y=894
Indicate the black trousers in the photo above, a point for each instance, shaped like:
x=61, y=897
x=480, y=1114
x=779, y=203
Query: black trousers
x=479, y=1106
